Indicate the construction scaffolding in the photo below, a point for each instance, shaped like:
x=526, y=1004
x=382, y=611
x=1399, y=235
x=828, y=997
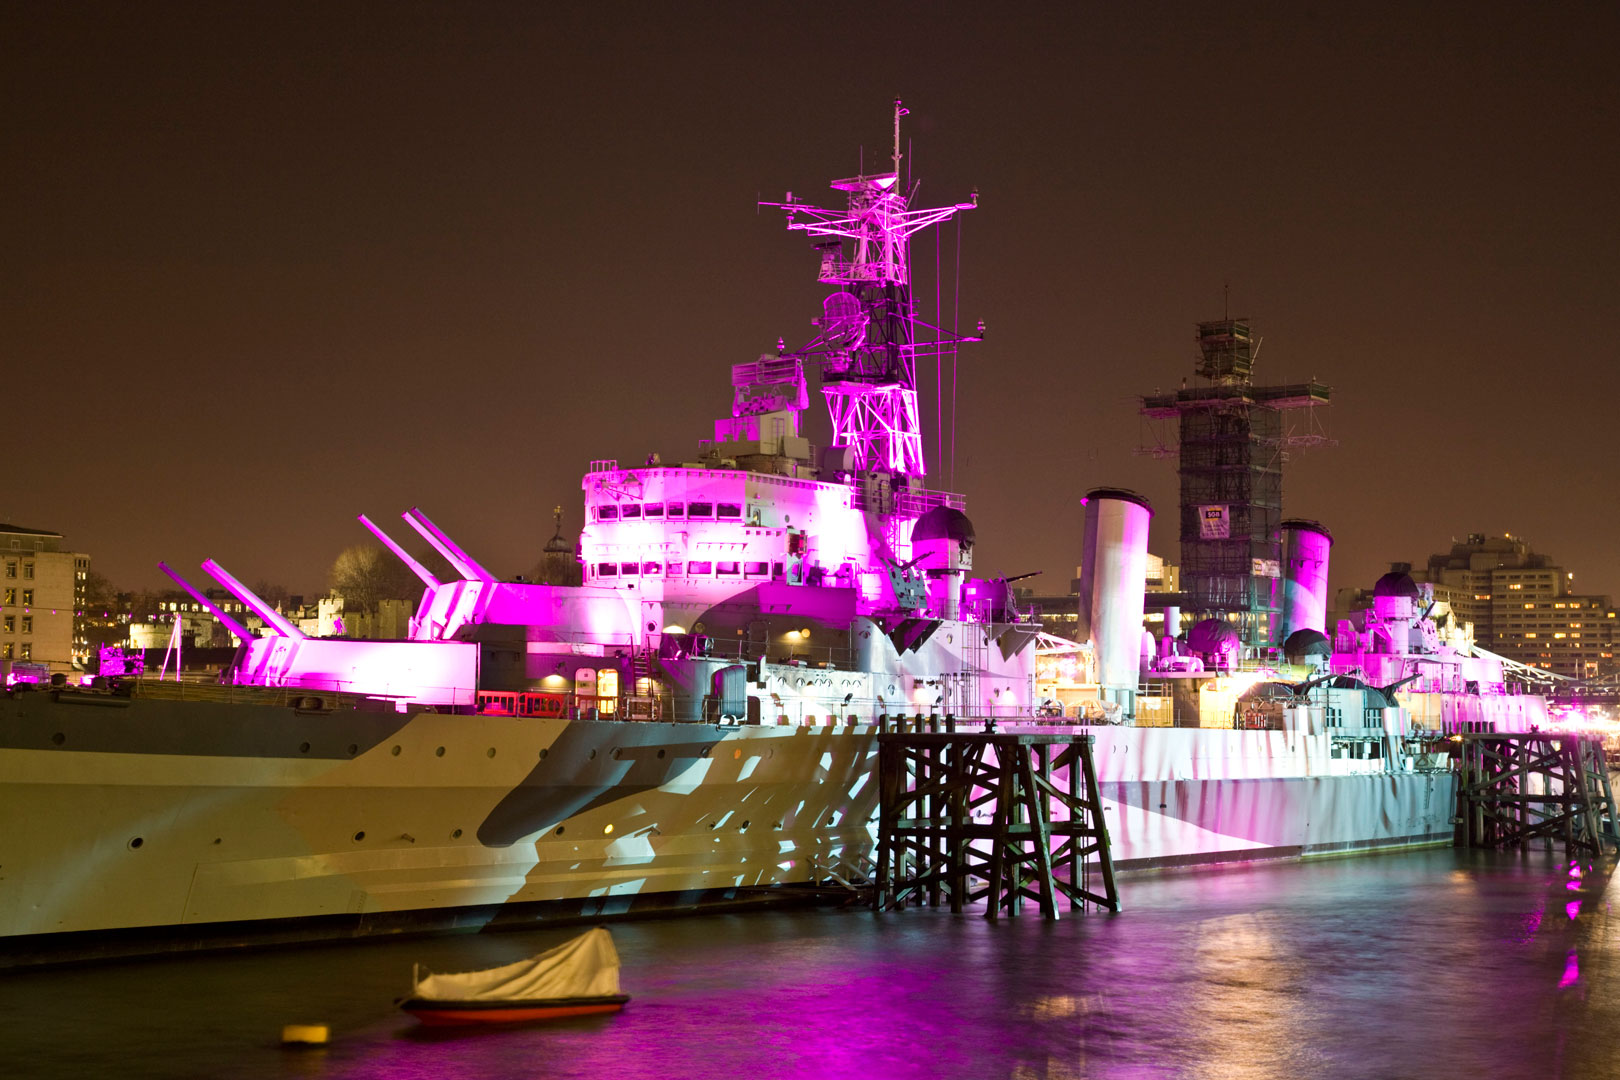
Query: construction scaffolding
x=1231, y=442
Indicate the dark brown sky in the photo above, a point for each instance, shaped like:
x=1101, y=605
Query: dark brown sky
x=268, y=266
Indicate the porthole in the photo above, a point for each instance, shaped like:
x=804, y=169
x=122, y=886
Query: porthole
x=559, y=830
x=219, y=839
x=607, y=830
x=704, y=752
x=395, y=750
x=135, y=843
x=354, y=748
x=456, y=835
x=491, y=752
x=303, y=748
x=618, y=755
x=660, y=753
x=743, y=826
x=359, y=836
x=439, y=752
x=593, y=755
x=59, y=738
x=543, y=753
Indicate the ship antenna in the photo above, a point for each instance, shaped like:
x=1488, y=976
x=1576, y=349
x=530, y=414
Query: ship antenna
x=899, y=111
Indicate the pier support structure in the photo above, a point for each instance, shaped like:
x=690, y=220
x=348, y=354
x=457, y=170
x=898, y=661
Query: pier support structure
x=970, y=816
x=1514, y=788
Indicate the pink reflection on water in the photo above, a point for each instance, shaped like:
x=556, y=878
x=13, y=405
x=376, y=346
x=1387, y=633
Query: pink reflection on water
x=1572, y=971
x=1572, y=909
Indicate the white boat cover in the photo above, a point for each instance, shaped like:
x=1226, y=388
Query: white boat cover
x=587, y=966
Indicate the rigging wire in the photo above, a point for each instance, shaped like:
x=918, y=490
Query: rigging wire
x=956, y=327
x=939, y=362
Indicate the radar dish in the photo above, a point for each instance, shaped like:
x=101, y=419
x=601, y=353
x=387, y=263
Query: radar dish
x=843, y=322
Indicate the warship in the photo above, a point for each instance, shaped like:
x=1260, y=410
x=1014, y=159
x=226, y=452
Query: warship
x=695, y=722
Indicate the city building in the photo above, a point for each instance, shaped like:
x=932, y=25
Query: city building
x=41, y=593
x=1523, y=605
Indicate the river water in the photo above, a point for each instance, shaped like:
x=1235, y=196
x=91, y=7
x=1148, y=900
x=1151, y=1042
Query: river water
x=1423, y=964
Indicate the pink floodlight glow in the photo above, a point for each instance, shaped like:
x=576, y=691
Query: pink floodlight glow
x=242, y=633
x=465, y=565
x=270, y=615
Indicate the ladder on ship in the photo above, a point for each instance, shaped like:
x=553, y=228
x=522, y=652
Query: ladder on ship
x=1514, y=788
x=933, y=848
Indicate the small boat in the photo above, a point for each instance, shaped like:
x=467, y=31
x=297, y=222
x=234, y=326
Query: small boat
x=577, y=978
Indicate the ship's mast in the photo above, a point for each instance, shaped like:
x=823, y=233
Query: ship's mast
x=868, y=341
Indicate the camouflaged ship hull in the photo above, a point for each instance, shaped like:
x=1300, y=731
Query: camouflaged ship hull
x=136, y=825
x=131, y=814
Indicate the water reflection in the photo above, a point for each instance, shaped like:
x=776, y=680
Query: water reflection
x=1427, y=964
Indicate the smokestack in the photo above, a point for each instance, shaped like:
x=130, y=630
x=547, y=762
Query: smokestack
x=1306, y=547
x=1113, y=577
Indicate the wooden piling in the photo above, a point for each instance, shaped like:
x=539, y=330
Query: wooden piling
x=968, y=816
x=1497, y=803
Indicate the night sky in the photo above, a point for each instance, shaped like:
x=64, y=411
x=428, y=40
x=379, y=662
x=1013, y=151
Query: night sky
x=268, y=266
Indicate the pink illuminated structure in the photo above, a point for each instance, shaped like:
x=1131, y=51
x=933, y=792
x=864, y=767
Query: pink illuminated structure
x=868, y=342
x=241, y=632
x=270, y=615
x=427, y=578
x=762, y=582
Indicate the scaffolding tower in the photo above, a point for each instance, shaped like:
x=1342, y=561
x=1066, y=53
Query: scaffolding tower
x=1231, y=442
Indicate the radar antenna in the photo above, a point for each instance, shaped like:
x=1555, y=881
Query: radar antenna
x=868, y=344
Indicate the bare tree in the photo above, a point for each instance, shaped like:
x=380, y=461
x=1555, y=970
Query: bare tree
x=271, y=593
x=365, y=574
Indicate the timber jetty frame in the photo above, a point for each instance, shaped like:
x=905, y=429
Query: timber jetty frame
x=1515, y=788
x=968, y=816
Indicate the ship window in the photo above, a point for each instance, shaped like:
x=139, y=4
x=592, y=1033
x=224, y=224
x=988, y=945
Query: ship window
x=607, y=513
x=653, y=568
x=654, y=510
x=756, y=569
x=696, y=568
x=607, y=569
x=728, y=510
x=726, y=568
x=631, y=512
x=674, y=568
x=676, y=509
x=630, y=568
x=699, y=509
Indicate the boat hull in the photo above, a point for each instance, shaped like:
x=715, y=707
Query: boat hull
x=166, y=822
x=477, y=1013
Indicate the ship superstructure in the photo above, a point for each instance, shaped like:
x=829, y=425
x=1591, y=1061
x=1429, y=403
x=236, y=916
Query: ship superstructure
x=766, y=579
